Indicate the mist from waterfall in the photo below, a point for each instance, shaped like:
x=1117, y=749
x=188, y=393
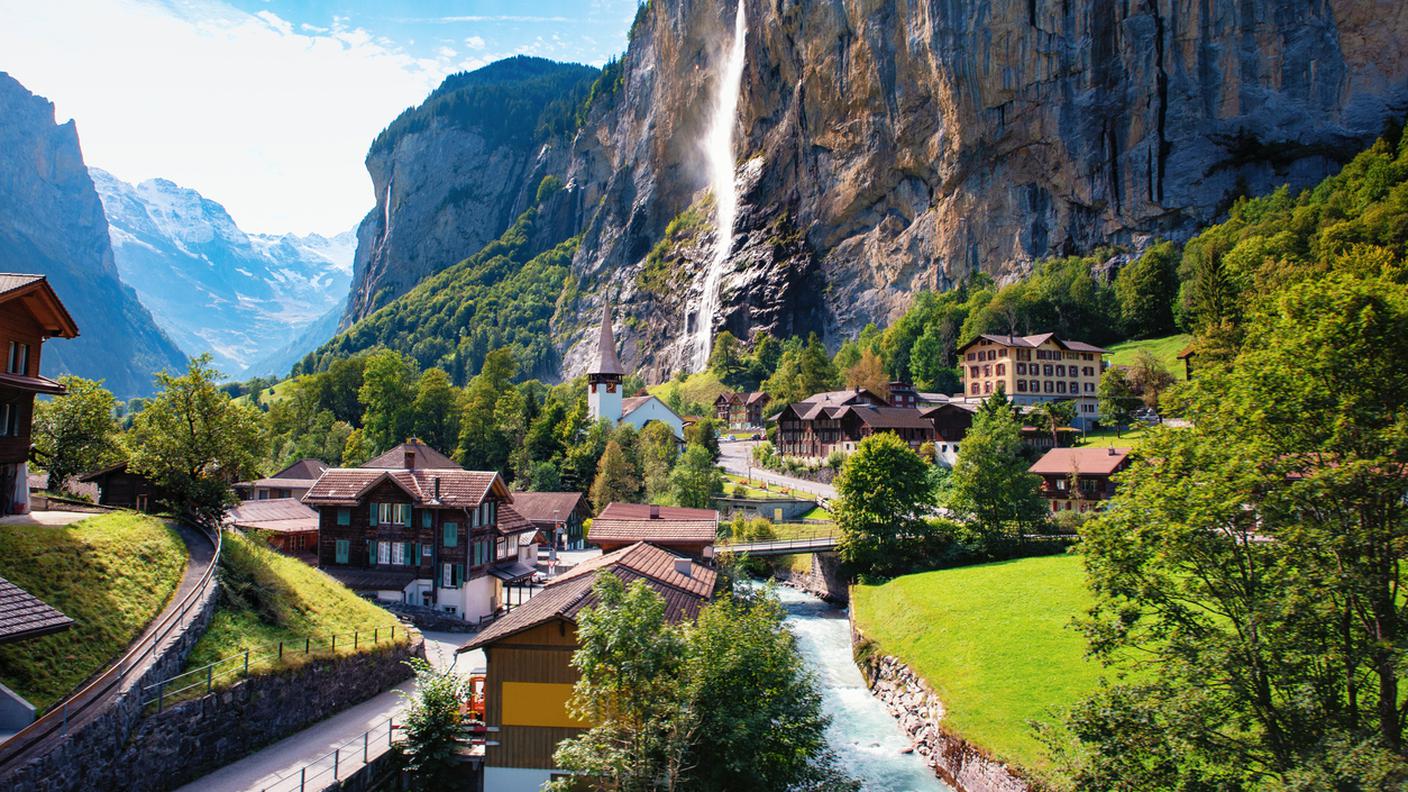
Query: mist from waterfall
x=718, y=150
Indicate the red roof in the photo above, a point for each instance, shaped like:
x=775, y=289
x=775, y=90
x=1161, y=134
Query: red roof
x=544, y=507
x=652, y=562
x=641, y=522
x=458, y=488
x=1033, y=341
x=282, y=515
x=35, y=294
x=1091, y=461
x=425, y=458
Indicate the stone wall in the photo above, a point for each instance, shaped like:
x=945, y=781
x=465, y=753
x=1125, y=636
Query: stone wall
x=920, y=713
x=825, y=579
x=193, y=738
x=83, y=760
x=427, y=618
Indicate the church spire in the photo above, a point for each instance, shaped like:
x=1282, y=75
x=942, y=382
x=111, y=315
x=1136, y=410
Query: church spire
x=606, y=360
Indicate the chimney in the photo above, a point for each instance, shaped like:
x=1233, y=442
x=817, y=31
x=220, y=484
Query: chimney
x=684, y=566
x=654, y=512
x=409, y=459
x=437, y=488
x=1112, y=451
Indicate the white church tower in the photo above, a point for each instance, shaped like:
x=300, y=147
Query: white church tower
x=604, y=377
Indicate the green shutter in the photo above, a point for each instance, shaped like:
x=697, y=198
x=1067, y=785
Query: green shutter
x=344, y=516
x=371, y=552
x=425, y=520
x=406, y=548
x=375, y=516
x=342, y=546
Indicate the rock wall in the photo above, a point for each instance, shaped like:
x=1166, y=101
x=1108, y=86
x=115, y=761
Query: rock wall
x=920, y=713
x=193, y=738
x=84, y=759
x=825, y=579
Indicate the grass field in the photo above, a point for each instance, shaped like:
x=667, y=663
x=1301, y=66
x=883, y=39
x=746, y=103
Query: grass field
x=993, y=641
x=1133, y=437
x=699, y=389
x=112, y=574
x=270, y=597
x=1166, y=349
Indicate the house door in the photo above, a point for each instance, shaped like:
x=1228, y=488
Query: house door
x=141, y=503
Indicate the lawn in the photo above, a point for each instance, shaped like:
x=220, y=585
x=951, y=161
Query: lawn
x=760, y=489
x=700, y=390
x=1133, y=437
x=270, y=597
x=1166, y=349
x=112, y=574
x=993, y=641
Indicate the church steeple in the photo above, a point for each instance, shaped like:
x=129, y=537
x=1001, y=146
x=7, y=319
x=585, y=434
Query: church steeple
x=604, y=377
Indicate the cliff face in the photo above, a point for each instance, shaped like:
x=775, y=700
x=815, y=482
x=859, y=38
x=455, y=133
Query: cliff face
x=886, y=146
x=52, y=223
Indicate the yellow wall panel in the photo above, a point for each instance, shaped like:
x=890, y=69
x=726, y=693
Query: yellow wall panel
x=538, y=704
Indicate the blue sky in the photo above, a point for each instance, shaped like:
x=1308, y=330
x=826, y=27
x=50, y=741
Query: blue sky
x=268, y=107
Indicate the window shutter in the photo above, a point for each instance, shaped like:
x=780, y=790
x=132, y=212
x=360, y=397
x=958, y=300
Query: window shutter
x=371, y=554
x=375, y=516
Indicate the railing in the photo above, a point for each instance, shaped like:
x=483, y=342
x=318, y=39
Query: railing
x=824, y=538
x=238, y=665
x=349, y=757
x=59, y=717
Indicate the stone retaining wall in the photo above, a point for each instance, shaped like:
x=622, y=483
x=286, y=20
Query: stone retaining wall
x=192, y=738
x=824, y=580
x=920, y=713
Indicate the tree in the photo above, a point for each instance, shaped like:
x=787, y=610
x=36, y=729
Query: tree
x=801, y=371
x=883, y=491
x=356, y=449
x=436, y=414
x=695, y=480
x=432, y=728
x=729, y=360
x=704, y=432
x=615, y=479
x=1146, y=289
x=542, y=477
x=1117, y=398
x=1052, y=416
x=990, y=488
x=387, y=396
x=1148, y=377
x=869, y=373
x=629, y=663
x=658, y=451
x=76, y=432
x=194, y=441
x=1255, y=560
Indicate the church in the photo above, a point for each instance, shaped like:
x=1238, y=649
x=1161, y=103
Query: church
x=604, y=397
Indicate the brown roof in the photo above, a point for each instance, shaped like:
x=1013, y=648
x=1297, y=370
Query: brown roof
x=308, y=469
x=31, y=384
x=635, y=522
x=543, y=507
x=756, y=396
x=41, y=300
x=649, y=561
x=1033, y=341
x=510, y=521
x=606, y=361
x=568, y=595
x=283, y=515
x=426, y=457
x=841, y=396
x=23, y=615
x=886, y=417
x=458, y=488
x=1093, y=461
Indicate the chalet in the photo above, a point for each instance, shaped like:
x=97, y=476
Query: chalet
x=1186, y=355
x=290, y=526
x=690, y=532
x=412, y=526
x=528, y=653
x=293, y=481
x=23, y=616
x=126, y=489
x=558, y=517
x=1033, y=369
x=741, y=409
x=951, y=422
x=1079, y=479
x=604, y=384
x=30, y=313
x=840, y=420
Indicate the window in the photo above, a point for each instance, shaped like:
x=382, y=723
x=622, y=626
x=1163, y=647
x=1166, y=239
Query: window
x=1001, y=369
x=503, y=547
x=1048, y=369
x=393, y=514
x=1060, y=371
x=1021, y=385
x=1021, y=368
x=451, y=575
x=426, y=519
x=1061, y=386
x=18, y=361
x=383, y=552
x=973, y=371
x=452, y=534
x=343, y=549
x=974, y=389
x=426, y=551
x=398, y=553
x=1088, y=371
x=9, y=419
x=1075, y=387
x=1050, y=388
x=987, y=387
x=344, y=517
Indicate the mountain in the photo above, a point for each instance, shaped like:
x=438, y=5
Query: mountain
x=215, y=288
x=880, y=148
x=52, y=223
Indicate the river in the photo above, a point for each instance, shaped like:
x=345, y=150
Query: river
x=867, y=740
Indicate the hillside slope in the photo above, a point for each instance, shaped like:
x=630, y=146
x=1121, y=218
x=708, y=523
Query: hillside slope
x=52, y=223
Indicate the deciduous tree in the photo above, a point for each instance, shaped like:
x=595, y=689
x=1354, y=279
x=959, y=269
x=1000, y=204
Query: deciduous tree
x=695, y=480
x=990, y=488
x=76, y=432
x=883, y=491
x=615, y=478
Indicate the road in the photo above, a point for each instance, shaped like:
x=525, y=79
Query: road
x=734, y=457
x=278, y=766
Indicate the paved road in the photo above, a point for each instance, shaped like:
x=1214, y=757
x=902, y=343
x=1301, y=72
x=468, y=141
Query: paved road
x=277, y=766
x=734, y=458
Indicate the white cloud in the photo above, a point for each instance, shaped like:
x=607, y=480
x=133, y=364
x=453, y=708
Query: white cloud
x=270, y=120
x=475, y=42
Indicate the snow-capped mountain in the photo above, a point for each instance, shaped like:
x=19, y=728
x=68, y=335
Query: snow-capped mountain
x=241, y=297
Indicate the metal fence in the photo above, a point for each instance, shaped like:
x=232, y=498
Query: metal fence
x=206, y=678
x=87, y=700
x=341, y=761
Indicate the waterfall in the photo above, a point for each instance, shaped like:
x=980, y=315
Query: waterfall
x=718, y=151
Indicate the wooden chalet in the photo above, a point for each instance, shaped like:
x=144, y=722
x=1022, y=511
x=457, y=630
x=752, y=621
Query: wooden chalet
x=293, y=481
x=840, y=420
x=1079, y=479
x=30, y=313
x=290, y=526
x=559, y=517
x=741, y=409
x=126, y=489
x=528, y=657
x=412, y=526
x=690, y=532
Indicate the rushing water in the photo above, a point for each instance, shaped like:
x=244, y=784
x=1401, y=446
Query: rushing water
x=868, y=741
x=718, y=152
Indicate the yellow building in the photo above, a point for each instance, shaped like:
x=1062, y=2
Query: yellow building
x=1033, y=369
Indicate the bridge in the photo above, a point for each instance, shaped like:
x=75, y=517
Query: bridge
x=822, y=543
